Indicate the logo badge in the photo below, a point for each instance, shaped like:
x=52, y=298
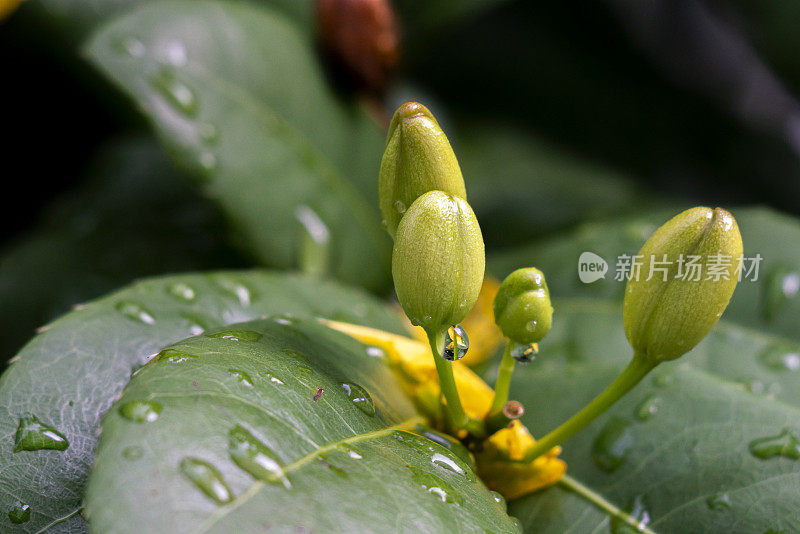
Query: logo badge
x=591, y=267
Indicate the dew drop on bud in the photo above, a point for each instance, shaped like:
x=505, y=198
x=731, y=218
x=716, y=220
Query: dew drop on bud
x=524, y=353
x=456, y=343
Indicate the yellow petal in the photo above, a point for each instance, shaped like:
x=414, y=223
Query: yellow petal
x=500, y=468
x=498, y=464
x=484, y=335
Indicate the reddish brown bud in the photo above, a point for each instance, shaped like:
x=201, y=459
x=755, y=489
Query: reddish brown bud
x=362, y=37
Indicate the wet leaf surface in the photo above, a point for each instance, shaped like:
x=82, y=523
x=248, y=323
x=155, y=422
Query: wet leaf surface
x=70, y=374
x=227, y=455
x=256, y=122
x=704, y=444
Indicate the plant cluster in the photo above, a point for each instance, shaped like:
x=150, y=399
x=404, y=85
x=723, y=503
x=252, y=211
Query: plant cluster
x=438, y=267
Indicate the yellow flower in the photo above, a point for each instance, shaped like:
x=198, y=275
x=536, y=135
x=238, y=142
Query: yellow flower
x=499, y=464
x=484, y=335
x=513, y=478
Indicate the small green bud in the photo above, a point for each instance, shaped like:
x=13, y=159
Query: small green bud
x=438, y=261
x=418, y=158
x=667, y=315
x=522, y=306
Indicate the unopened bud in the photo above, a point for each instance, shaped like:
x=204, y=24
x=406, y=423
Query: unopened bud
x=418, y=158
x=669, y=307
x=438, y=261
x=522, y=306
x=362, y=38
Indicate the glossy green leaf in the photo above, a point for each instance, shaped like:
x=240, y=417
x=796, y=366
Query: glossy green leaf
x=74, y=19
x=771, y=303
x=68, y=375
x=237, y=94
x=280, y=424
x=134, y=216
x=681, y=445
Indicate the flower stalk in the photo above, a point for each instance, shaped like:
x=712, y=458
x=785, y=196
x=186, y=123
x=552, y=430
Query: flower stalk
x=453, y=408
x=503, y=383
x=665, y=317
x=632, y=375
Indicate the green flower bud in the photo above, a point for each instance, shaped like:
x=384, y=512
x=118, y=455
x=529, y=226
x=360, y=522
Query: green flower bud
x=438, y=261
x=667, y=315
x=418, y=158
x=522, y=306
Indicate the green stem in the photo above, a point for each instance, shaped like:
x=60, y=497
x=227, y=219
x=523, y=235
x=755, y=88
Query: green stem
x=632, y=375
x=503, y=383
x=458, y=418
x=600, y=502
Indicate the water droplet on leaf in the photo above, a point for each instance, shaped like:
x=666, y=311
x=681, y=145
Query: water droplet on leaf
x=19, y=513
x=436, y=487
x=197, y=325
x=648, y=407
x=638, y=511
x=179, y=95
x=33, y=435
x=131, y=46
x=140, y=411
x=135, y=312
x=207, y=479
x=176, y=53
x=780, y=358
x=360, y=397
x=719, y=501
x=350, y=451
x=235, y=288
x=498, y=499
x=182, y=291
x=779, y=288
x=785, y=444
x=663, y=380
x=449, y=443
x=237, y=335
x=174, y=356
x=376, y=352
x=399, y=207
x=445, y=461
x=241, y=376
x=255, y=457
x=613, y=444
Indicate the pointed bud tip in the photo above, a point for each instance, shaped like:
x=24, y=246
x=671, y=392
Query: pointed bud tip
x=412, y=109
x=417, y=159
x=409, y=111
